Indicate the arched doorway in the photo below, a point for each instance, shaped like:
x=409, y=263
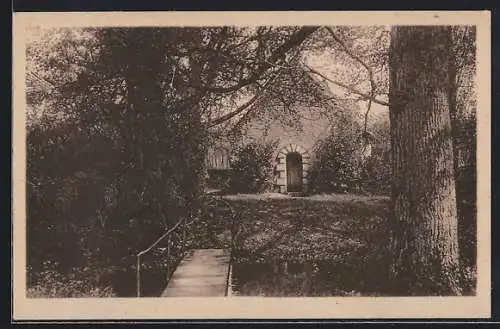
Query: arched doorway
x=294, y=172
x=292, y=163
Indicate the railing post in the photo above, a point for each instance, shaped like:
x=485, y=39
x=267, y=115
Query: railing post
x=138, y=275
x=168, y=234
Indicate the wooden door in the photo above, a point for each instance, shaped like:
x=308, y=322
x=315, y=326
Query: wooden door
x=294, y=172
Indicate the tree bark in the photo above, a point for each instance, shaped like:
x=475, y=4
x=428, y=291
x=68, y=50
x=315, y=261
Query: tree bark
x=424, y=240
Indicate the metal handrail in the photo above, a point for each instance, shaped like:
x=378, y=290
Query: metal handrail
x=168, y=234
x=145, y=251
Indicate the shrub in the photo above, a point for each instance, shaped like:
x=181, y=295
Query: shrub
x=88, y=210
x=66, y=188
x=253, y=168
x=343, y=166
x=335, y=169
x=376, y=175
x=219, y=178
x=79, y=282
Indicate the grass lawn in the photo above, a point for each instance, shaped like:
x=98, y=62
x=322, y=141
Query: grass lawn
x=316, y=245
x=308, y=228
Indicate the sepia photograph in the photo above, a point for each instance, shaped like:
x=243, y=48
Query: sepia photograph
x=251, y=159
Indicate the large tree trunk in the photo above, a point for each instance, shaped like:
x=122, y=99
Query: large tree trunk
x=424, y=241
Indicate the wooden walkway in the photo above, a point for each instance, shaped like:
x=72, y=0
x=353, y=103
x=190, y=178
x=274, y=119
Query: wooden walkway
x=201, y=273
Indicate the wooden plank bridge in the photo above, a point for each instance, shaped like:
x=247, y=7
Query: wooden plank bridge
x=201, y=273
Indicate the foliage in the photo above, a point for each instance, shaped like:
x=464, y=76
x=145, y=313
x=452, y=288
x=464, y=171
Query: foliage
x=117, y=121
x=466, y=187
x=75, y=284
x=219, y=179
x=253, y=167
x=335, y=169
x=377, y=171
x=336, y=166
x=67, y=171
x=340, y=165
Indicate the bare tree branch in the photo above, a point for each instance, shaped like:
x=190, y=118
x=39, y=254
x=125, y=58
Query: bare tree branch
x=278, y=54
x=244, y=106
x=230, y=115
x=349, y=52
x=364, y=96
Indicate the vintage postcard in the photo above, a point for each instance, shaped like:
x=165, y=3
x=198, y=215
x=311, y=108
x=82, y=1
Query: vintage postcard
x=251, y=165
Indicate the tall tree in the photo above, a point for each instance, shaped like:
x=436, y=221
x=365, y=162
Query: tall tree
x=424, y=240
x=143, y=98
